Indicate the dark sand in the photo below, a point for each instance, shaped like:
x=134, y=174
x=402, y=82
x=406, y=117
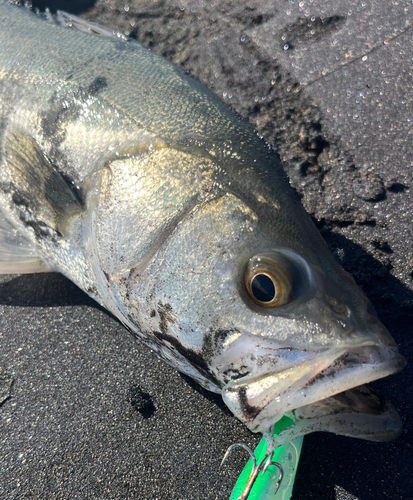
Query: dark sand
x=94, y=414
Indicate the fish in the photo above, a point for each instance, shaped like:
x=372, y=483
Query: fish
x=132, y=179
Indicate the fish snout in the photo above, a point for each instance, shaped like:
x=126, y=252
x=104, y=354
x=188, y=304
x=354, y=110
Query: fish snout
x=349, y=319
x=343, y=312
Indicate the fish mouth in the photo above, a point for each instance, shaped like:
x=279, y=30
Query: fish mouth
x=260, y=401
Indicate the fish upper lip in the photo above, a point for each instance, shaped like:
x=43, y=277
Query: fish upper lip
x=366, y=363
x=260, y=401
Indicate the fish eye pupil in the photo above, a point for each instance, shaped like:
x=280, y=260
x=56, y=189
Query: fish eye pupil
x=263, y=288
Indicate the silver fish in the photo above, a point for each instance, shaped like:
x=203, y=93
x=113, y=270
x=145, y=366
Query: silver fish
x=137, y=183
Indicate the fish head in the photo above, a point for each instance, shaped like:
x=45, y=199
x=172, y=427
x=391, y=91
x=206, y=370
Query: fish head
x=272, y=322
x=234, y=285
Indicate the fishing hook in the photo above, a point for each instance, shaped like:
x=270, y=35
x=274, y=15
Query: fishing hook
x=256, y=469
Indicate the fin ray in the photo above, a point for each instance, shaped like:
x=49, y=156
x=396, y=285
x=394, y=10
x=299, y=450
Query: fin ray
x=17, y=254
x=70, y=21
x=45, y=197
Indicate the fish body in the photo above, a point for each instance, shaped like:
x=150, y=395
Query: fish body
x=137, y=183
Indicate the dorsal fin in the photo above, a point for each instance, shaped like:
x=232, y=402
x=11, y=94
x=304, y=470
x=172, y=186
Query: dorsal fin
x=67, y=20
x=17, y=255
x=71, y=21
x=45, y=198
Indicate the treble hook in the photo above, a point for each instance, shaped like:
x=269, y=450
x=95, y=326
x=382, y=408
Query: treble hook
x=256, y=469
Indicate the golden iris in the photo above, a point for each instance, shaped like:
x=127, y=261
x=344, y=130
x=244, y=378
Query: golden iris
x=269, y=280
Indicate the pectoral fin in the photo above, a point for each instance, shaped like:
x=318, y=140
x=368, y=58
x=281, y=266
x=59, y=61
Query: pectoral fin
x=44, y=197
x=17, y=255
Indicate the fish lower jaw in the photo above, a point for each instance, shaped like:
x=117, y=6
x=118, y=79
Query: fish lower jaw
x=261, y=401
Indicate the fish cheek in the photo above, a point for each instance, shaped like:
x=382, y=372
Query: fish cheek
x=149, y=194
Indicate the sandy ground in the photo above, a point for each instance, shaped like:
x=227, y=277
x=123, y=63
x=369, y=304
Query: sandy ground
x=89, y=412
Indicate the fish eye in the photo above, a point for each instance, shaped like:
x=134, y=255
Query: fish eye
x=273, y=279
